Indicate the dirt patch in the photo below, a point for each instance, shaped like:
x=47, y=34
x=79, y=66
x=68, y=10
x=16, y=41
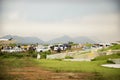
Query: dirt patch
x=36, y=73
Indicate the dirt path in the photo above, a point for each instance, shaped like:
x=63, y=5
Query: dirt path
x=36, y=73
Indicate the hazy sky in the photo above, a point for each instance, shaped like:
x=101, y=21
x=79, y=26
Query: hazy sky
x=48, y=19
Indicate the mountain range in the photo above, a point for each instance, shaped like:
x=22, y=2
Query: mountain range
x=63, y=39
x=66, y=39
x=24, y=40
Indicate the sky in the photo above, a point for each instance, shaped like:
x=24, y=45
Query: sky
x=48, y=19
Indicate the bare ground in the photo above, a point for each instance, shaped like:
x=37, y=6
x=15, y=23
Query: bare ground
x=36, y=73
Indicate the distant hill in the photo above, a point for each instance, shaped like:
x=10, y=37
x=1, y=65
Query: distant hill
x=24, y=40
x=65, y=39
x=83, y=40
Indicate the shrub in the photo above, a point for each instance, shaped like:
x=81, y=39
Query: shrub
x=68, y=57
x=34, y=55
x=11, y=55
x=110, y=61
x=44, y=54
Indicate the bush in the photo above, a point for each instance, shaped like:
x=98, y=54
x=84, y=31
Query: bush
x=110, y=61
x=25, y=54
x=44, y=54
x=11, y=55
x=68, y=57
x=18, y=55
x=34, y=55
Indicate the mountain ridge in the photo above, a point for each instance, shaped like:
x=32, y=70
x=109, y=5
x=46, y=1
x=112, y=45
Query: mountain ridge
x=62, y=39
x=24, y=40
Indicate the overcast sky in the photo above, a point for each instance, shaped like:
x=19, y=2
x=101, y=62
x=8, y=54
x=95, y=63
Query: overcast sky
x=48, y=19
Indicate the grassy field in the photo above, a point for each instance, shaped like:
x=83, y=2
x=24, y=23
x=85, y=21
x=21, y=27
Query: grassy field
x=19, y=61
x=7, y=64
x=11, y=61
x=94, y=67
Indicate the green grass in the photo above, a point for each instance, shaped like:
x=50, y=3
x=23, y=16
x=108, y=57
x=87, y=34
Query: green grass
x=8, y=61
x=7, y=64
x=93, y=66
x=113, y=47
x=11, y=61
x=104, y=57
x=70, y=66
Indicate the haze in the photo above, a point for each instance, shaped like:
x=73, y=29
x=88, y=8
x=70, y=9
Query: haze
x=48, y=19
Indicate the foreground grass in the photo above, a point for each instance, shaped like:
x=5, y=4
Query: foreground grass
x=102, y=73
x=7, y=64
x=93, y=67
